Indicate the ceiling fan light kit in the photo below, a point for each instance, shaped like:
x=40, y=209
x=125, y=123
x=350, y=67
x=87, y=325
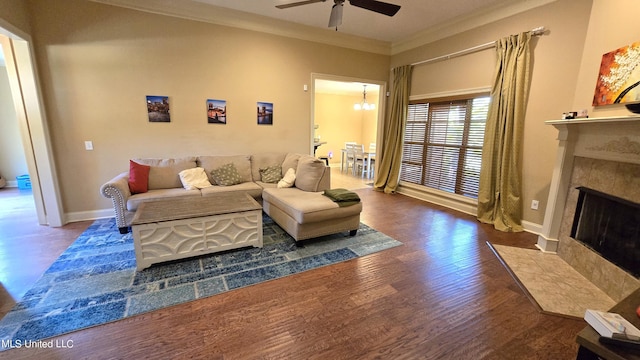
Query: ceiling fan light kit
x=335, y=18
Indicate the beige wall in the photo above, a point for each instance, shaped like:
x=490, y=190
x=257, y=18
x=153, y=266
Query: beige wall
x=12, y=160
x=613, y=24
x=370, y=125
x=338, y=123
x=97, y=63
x=556, y=61
x=14, y=15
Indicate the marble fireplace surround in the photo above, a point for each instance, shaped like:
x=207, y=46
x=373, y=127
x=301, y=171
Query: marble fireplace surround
x=602, y=154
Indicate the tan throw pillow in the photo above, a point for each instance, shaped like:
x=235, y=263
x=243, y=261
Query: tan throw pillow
x=309, y=173
x=271, y=174
x=193, y=179
x=288, y=179
x=164, y=172
x=226, y=175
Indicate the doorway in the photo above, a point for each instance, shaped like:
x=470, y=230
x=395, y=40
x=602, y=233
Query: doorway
x=25, y=93
x=12, y=160
x=335, y=119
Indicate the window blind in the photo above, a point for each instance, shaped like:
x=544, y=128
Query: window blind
x=443, y=144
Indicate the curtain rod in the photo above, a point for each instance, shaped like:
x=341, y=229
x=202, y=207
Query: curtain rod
x=535, y=32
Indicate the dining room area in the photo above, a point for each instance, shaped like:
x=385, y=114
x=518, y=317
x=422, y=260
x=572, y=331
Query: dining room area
x=346, y=123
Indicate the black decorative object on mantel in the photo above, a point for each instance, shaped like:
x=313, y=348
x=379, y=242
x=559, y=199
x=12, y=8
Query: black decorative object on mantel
x=634, y=108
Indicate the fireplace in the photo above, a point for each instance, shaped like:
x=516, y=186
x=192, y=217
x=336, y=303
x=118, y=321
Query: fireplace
x=602, y=155
x=610, y=226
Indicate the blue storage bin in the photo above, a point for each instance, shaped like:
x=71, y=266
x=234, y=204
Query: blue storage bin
x=24, y=182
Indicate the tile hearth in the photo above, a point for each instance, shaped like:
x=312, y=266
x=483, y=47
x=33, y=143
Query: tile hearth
x=554, y=285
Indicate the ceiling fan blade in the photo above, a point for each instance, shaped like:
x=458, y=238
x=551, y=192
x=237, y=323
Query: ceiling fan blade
x=377, y=6
x=335, y=19
x=299, y=3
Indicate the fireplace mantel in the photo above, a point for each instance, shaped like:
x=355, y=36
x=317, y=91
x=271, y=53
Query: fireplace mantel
x=605, y=138
x=600, y=120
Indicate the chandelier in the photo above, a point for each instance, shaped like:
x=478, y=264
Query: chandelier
x=364, y=105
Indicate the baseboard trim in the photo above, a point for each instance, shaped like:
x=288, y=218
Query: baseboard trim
x=547, y=245
x=88, y=215
x=532, y=227
x=455, y=202
x=12, y=183
x=451, y=201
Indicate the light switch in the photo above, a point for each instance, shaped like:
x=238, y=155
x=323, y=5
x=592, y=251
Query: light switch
x=88, y=145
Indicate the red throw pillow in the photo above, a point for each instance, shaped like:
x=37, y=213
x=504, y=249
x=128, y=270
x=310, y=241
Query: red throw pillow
x=138, y=177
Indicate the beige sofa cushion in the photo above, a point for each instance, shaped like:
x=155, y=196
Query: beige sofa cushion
x=251, y=188
x=290, y=162
x=242, y=164
x=309, y=173
x=307, y=207
x=164, y=173
x=160, y=194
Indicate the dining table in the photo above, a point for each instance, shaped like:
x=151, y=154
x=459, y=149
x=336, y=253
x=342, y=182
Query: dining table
x=366, y=157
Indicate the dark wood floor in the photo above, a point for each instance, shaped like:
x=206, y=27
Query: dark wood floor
x=442, y=295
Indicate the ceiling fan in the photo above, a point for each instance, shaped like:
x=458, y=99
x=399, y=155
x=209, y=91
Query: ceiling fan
x=336, y=11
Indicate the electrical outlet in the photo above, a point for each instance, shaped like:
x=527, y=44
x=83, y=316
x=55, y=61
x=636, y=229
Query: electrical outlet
x=88, y=145
x=534, y=204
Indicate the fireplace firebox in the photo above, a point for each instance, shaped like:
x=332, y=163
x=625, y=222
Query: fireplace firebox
x=610, y=226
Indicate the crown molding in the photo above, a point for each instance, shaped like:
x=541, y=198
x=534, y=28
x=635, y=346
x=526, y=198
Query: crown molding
x=465, y=23
x=197, y=11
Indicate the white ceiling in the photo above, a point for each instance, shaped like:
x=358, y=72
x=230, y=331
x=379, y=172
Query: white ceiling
x=346, y=88
x=414, y=15
x=417, y=23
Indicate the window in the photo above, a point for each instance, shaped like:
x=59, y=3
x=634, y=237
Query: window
x=443, y=144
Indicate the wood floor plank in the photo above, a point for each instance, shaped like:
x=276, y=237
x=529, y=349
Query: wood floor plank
x=443, y=294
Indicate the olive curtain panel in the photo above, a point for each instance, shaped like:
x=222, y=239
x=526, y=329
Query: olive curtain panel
x=389, y=157
x=499, y=196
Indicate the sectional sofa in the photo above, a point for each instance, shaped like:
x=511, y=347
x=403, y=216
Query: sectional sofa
x=289, y=186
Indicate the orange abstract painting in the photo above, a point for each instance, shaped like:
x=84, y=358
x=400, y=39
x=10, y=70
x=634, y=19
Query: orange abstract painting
x=619, y=78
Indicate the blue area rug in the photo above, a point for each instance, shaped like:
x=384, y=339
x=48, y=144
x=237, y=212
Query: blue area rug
x=95, y=280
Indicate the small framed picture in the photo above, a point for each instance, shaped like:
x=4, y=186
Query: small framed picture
x=216, y=111
x=158, y=108
x=265, y=113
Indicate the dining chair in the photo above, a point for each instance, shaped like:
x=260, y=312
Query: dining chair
x=361, y=161
x=350, y=156
x=372, y=156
